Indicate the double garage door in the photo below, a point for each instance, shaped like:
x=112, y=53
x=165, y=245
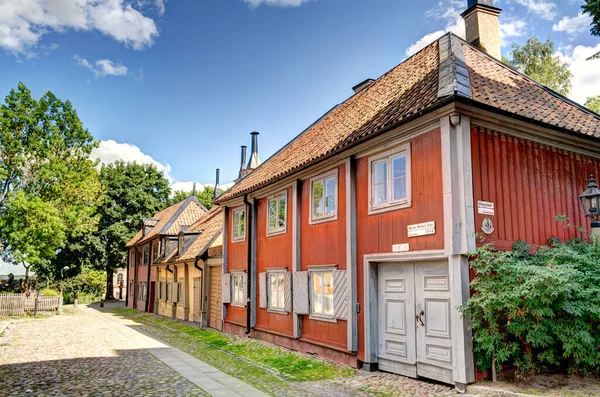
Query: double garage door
x=414, y=312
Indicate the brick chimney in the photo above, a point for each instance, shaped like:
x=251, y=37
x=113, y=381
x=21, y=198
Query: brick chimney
x=482, y=28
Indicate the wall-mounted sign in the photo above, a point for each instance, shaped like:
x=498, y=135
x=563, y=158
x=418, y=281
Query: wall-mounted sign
x=400, y=247
x=485, y=208
x=487, y=226
x=421, y=229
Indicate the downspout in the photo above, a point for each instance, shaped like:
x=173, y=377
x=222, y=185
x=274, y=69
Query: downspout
x=248, y=282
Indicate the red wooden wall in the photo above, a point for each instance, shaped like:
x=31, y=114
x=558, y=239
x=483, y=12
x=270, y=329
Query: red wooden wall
x=273, y=251
x=377, y=233
x=237, y=259
x=529, y=184
x=324, y=244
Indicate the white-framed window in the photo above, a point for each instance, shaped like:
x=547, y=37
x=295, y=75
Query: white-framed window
x=238, y=224
x=324, y=197
x=146, y=256
x=131, y=288
x=276, y=290
x=154, y=252
x=277, y=213
x=132, y=258
x=237, y=289
x=390, y=180
x=144, y=291
x=321, y=292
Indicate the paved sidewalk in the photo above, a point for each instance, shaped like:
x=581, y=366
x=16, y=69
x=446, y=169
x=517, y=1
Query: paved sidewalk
x=208, y=378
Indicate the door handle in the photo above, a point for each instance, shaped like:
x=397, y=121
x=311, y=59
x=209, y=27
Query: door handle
x=420, y=317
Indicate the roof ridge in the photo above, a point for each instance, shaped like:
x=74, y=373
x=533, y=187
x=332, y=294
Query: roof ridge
x=512, y=69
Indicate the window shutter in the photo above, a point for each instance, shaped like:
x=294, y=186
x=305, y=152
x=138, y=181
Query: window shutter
x=182, y=292
x=340, y=294
x=226, y=288
x=262, y=286
x=176, y=291
x=288, y=291
x=300, y=298
x=245, y=287
x=163, y=290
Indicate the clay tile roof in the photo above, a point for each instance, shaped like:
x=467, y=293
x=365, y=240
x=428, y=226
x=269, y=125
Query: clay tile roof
x=210, y=227
x=151, y=222
x=412, y=89
x=171, y=220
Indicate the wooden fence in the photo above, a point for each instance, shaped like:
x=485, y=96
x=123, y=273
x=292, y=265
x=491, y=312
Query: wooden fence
x=18, y=304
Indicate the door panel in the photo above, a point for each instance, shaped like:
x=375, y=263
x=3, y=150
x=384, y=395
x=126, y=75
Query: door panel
x=434, y=342
x=396, y=315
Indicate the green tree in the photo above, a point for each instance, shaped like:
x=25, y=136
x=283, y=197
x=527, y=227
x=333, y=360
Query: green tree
x=205, y=197
x=48, y=184
x=132, y=192
x=539, y=61
x=592, y=8
x=593, y=104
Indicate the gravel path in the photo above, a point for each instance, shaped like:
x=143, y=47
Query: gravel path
x=81, y=355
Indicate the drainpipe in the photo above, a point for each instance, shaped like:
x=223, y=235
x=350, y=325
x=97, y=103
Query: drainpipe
x=249, y=267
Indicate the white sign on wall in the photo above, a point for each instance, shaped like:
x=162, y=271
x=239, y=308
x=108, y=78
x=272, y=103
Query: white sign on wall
x=421, y=229
x=400, y=248
x=485, y=208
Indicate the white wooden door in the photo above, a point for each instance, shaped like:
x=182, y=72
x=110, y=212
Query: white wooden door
x=396, y=306
x=433, y=310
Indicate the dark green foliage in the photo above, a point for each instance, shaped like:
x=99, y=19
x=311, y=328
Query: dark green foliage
x=592, y=8
x=535, y=310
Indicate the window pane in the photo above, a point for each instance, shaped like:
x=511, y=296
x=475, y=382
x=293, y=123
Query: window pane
x=380, y=193
x=317, y=303
x=317, y=198
x=273, y=281
x=328, y=283
x=282, y=213
x=328, y=304
x=399, y=189
x=330, y=205
x=399, y=167
x=281, y=301
x=379, y=172
x=317, y=285
x=330, y=186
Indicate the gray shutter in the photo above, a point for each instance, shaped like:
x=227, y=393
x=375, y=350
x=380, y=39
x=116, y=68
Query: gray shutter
x=288, y=291
x=262, y=286
x=175, y=293
x=226, y=288
x=340, y=294
x=301, y=303
x=163, y=294
x=245, y=286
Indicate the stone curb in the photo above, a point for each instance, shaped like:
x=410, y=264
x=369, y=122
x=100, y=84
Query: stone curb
x=491, y=392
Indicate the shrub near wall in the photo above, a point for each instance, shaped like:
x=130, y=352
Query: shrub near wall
x=537, y=310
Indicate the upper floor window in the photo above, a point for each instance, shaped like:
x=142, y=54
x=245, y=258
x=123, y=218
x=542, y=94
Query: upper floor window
x=155, y=252
x=321, y=290
x=238, y=226
x=146, y=256
x=324, y=197
x=132, y=257
x=277, y=210
x=390, y=180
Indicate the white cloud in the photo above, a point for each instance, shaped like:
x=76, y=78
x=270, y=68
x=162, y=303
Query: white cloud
x=187, y=186
x=542, y=8
x=586, y=79
x=103, y=67
x=110, y=151
x=24, y=22
x=573, y=25
x=508, y=30
x=280, y=3
x=424, y=42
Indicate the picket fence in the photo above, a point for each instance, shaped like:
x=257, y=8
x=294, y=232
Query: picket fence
x=18, y=304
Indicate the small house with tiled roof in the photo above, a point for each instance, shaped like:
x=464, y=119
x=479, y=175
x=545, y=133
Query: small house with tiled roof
x=351, y=241
x=189, y=275
x=148, y=246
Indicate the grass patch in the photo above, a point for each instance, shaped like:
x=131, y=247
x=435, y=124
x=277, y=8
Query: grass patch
x=283, y=363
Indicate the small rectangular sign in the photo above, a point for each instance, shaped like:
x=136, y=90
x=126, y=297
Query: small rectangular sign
x=421, y=229
x=485, y=208
x=400, y=247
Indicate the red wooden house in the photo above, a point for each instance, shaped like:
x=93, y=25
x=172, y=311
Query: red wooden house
x=351, y=241
x=148, y=245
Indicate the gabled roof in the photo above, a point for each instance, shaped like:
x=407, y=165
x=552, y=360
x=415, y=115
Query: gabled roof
x=210, y=228
x=447, y=70
x=171, y=220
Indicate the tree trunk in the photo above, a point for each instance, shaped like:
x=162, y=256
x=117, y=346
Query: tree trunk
x=109, y=284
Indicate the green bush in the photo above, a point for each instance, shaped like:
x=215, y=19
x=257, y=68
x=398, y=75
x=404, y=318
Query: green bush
x=536, y=310
x=49, y=292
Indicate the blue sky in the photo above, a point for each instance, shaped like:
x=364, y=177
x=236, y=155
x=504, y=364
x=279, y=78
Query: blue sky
x=182, y=83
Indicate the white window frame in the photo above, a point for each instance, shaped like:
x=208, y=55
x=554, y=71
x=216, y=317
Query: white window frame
x=278, y=272
x=234, y=297
x=391, y=205
x=277, y=198
x=320, y=316
x=234, y=238
x=323, y=177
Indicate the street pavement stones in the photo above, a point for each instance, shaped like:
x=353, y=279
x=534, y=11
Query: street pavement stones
x=98, y=354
